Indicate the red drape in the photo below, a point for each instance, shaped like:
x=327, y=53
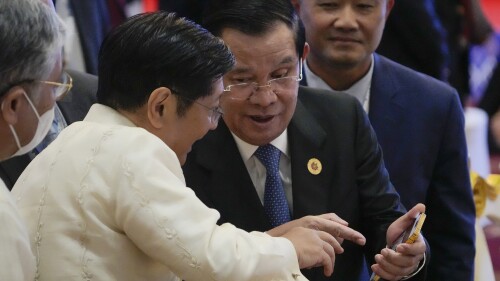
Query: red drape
x=150, y=5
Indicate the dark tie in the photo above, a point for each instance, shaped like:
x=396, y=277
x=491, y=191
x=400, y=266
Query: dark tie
x=275, y=204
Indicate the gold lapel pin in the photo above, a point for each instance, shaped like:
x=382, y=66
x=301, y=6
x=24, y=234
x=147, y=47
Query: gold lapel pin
x=314, y=166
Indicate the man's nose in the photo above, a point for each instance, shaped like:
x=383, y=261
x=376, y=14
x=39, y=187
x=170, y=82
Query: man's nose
x=264, y=95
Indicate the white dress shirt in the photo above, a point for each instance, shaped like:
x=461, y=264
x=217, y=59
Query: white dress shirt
x=108, y=201
x=16, y=258
x=257, y=170
x=360, y=90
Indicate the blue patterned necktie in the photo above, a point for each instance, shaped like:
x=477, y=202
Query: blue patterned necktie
x=275, y=204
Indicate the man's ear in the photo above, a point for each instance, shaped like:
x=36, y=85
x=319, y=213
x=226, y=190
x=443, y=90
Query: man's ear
x=157, y=106
x=11, y=104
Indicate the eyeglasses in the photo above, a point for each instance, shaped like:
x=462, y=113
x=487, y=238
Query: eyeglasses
x=61, y=88
x=244, y=91
x=215, y=112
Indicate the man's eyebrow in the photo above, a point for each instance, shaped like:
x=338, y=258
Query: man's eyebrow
x=245, y=69
x=287, y=60
x=240, y=70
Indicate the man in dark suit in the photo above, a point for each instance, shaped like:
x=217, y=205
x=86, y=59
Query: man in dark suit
x=73, y=107
x=418, y=121
x=329, y=158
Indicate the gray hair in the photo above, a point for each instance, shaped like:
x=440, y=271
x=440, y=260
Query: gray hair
x=31, y=36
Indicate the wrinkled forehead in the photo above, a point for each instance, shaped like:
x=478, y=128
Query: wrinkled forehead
x=265, y=65
x=275, y=47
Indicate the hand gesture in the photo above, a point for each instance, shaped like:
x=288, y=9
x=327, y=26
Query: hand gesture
x=394, y=265
x=314, y=248
x=330, y=223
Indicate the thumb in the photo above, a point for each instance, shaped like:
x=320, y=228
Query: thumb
x=413, y=213
x=403, y=222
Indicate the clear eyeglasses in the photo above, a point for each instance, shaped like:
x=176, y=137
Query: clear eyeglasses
x=215, y=112
x=61, y=88
x=243, y=91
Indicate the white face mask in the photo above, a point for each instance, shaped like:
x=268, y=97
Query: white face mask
x=44, y=124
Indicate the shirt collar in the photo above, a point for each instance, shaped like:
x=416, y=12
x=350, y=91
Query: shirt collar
x=247, y=150
x=360, y=90
x=99, y=113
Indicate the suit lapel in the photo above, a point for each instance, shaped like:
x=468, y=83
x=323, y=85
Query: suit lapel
x=311, y=193
x=386, y=111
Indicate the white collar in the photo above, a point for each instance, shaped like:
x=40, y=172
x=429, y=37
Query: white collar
x=99, y=113
x=247, y=150
x=360, y=90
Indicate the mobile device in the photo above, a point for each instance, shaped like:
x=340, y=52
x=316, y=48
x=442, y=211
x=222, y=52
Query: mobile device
x=408, y=236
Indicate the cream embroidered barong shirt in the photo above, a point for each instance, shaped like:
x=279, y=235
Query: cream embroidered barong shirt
x=16, y=259
x=107, y=201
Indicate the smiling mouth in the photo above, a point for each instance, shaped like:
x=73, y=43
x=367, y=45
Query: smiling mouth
x=262, y=119
x=344, y=40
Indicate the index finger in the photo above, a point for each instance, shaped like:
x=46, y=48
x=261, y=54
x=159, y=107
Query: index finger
x=333, y=217
x=338, y=230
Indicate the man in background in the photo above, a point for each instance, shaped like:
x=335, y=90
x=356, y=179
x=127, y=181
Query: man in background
x=418, y=121
x=70, y=108
x=31, y=80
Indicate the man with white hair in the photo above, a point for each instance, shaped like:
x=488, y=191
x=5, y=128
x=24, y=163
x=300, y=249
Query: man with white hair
x=31, y=80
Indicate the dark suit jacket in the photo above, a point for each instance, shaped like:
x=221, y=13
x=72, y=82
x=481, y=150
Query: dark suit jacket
x=420, y=125
x=414, y=37
x=353, y=183
x=74, y=107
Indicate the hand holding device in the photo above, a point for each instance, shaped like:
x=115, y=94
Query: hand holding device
x=409, y=236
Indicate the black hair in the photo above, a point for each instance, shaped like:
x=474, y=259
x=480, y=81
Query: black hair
x=253, y=17
x=158, y=49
